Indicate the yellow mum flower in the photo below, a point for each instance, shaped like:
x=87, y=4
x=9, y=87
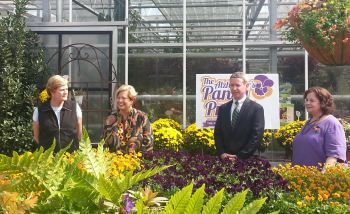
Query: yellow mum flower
x=44, y=96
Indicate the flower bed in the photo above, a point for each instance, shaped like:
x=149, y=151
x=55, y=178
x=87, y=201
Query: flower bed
x=315, y=191
x=254, y=173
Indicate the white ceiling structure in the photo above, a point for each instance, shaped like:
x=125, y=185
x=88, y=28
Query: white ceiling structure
x=162, y=20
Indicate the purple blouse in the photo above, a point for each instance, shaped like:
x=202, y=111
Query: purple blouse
x=315, y=142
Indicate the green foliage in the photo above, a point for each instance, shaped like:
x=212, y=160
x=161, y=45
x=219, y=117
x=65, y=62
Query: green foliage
x=68, y=186
x=214, y=203
x=196, y=203
x=179, y=200
x=236, y=203
x=185, y=202
x=21, y=70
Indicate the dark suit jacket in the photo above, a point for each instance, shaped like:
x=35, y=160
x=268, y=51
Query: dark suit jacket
x=244, y=139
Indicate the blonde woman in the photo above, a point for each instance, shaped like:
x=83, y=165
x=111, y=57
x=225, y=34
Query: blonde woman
x=127, y=129
x=58, y=118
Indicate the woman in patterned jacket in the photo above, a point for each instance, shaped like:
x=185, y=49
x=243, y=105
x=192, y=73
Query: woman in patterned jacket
x=127, y=129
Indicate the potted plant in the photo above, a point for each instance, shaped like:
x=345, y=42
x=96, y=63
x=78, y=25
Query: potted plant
x=79, y=95
x=322, y=27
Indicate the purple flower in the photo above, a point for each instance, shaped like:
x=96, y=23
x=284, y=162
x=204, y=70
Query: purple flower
x=128, y=204
x=254, y=173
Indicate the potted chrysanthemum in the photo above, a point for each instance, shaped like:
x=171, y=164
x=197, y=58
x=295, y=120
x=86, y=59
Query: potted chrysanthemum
x=322, y=27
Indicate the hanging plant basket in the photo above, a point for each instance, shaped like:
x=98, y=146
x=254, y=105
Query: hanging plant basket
x=322, y=27
x=337, y=54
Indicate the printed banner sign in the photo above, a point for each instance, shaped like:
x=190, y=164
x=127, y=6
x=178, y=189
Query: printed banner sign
x=212, y=90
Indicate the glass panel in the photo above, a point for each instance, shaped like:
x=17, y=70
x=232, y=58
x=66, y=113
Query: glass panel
x=157, y=76
x=50, y=44
x=158, y=21
x=214, y=21
x=82, y=10
x=336, y=79
x=87, y=64
x=87, y=60
x=258, y=60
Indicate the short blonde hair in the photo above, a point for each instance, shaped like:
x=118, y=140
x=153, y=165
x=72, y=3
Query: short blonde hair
x=55, y=82
x=129, y=88
x=239, y=75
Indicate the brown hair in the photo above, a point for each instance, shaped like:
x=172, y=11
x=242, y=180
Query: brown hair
x=325, y=98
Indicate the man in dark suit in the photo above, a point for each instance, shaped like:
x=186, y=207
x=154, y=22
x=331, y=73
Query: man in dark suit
x=240, y=123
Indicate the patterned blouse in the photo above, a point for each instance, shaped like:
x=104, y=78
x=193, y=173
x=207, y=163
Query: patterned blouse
x=132, y=134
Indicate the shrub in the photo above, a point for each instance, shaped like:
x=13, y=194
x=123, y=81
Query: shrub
x=199, y=140
x=167, y=134
x=21, y=70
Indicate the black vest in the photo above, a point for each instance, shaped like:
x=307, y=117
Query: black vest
x=49, y=129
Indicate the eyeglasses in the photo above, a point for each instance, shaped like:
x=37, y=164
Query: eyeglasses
x=123, y=98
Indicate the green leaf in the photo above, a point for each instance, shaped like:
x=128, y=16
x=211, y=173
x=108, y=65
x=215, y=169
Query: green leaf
x=83, y=197
x=196, y=202
x=214, y=204
x=236, y=203
x=178, y=202
x=140, y=206
x=253, y=207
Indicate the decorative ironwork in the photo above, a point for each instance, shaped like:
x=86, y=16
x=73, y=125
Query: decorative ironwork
x=98, y=91
x=79, y=55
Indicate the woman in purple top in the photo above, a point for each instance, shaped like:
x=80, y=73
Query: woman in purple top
x=322, y=139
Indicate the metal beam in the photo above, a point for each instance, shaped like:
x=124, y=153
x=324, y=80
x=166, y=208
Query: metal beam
x=91, y=10
x=255, y=13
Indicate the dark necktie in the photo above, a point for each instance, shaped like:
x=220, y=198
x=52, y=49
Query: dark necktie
x=235, y=115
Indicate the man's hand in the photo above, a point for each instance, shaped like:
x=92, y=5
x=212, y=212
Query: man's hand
x=226, y=156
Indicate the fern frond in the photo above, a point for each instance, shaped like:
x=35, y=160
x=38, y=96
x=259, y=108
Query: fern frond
x=113, y=190
x=236, y=203
x=214, y=204
x=39, y=171
x=109, y=190
x=145, y=174
x=253, y=207
x=95, y=163
x=196, y=202
x=84, y=179
x=179, y=200
x=83, y=197
x=26, y=183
